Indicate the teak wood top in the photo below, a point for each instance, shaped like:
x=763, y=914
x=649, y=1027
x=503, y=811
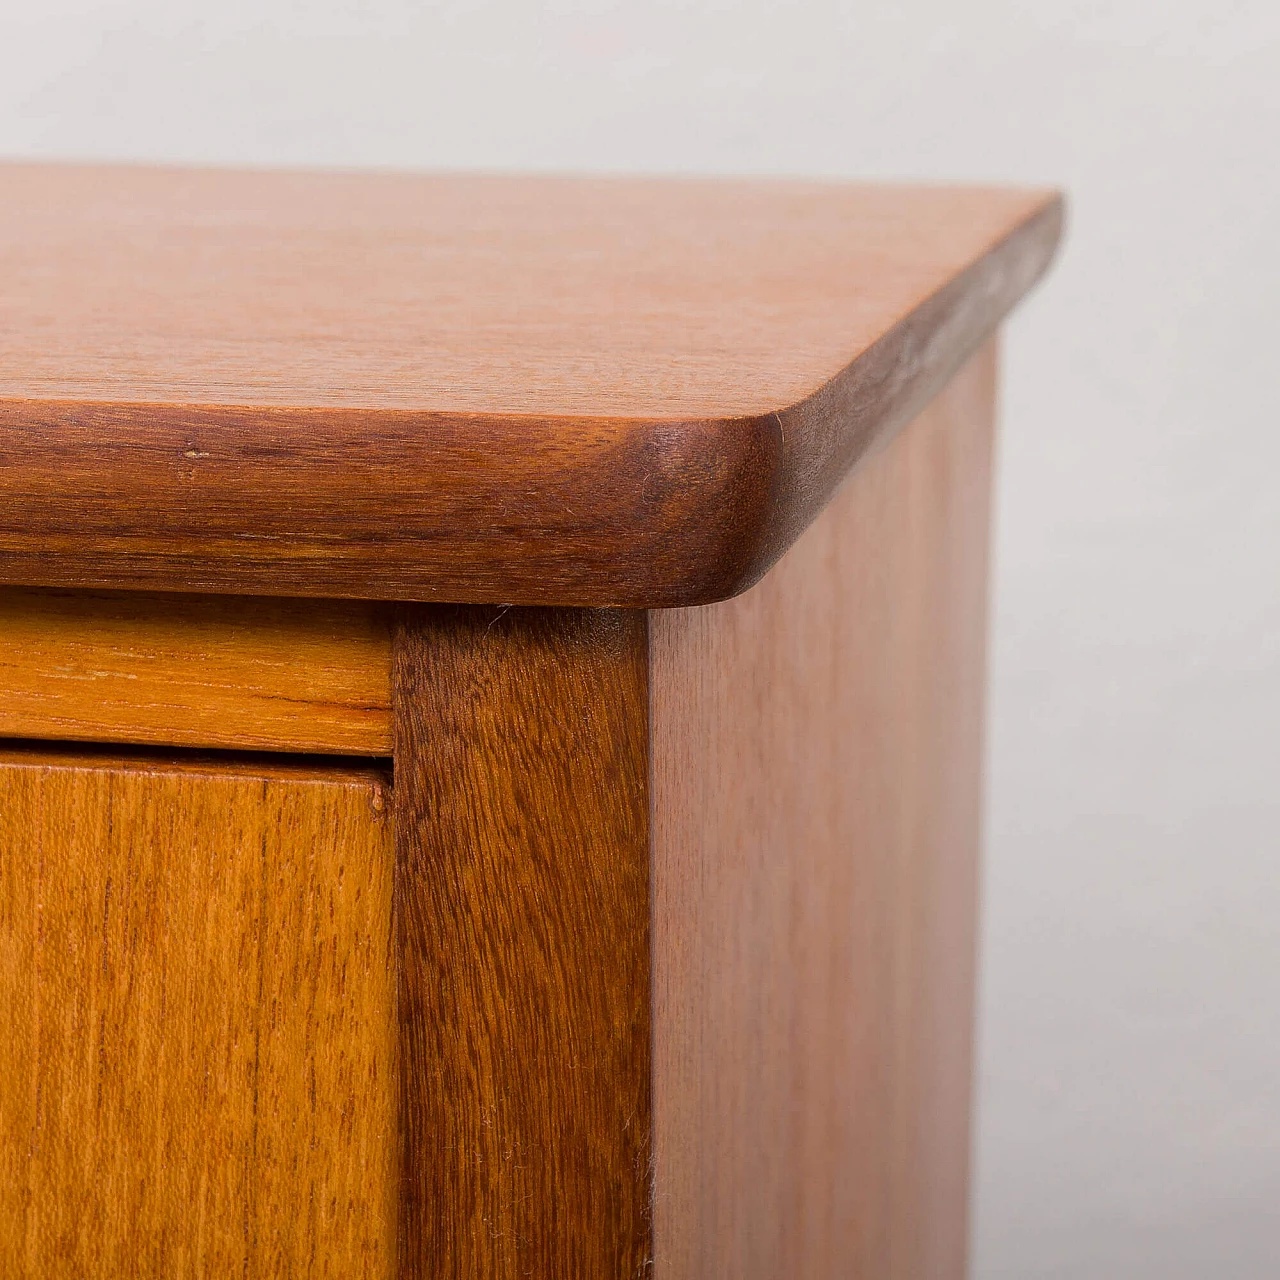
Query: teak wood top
x=479, y=389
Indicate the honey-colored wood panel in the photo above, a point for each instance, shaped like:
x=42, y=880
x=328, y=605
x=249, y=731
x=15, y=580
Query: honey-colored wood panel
x=195, y=671
x=455, y=388
x=198, y=1064
x=816, y=783
x=522, y=829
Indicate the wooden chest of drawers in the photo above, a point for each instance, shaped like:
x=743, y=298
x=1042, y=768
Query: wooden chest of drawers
x=491, y=703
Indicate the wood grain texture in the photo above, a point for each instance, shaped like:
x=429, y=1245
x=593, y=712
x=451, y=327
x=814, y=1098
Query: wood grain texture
x=538, y=391
x=198, y=1065
x=522, y=906
x=816, y=776
x=250, y=674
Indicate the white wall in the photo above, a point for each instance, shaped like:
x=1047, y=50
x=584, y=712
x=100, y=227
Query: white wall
x=1129, y=1102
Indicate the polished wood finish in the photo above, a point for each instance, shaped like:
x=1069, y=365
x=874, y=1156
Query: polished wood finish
x=522, y=839
x=658, y=957
x=196, y=671
x=198, y=1066
x=538, y=391
x=816, y=784
x=466, y=294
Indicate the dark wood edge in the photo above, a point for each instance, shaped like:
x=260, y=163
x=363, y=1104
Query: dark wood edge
x=427, y=507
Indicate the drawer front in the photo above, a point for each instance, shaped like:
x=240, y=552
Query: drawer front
x=198, y=1067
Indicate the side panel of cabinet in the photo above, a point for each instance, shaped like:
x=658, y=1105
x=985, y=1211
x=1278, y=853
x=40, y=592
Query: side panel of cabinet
x=198, y=1065
x=816, y=785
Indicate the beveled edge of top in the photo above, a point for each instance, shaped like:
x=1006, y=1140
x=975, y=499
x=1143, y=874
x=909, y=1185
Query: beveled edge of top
x=467, y=508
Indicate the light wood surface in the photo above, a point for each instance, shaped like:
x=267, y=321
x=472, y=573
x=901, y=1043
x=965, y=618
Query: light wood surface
x=508, y=390
x=522, y=828
x=587, y=297
x=816, y=784
x=257, y=675
x=198, y=1065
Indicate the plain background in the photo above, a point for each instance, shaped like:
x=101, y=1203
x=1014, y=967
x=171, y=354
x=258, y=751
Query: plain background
x=1128, y=1120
